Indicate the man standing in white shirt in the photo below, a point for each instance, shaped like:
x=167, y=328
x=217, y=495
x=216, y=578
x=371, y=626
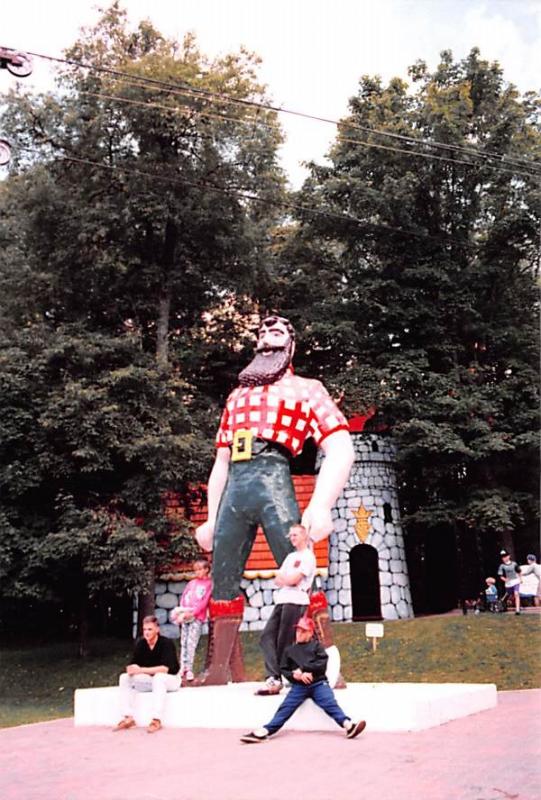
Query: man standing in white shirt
x=294, y=579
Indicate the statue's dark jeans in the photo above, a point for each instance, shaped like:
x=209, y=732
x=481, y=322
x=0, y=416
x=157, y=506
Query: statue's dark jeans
x=257, y=492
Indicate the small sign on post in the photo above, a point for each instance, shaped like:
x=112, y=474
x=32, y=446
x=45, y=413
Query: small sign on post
x=374, y=631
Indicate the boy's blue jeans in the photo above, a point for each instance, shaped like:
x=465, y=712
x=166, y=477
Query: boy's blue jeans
x=322, y=695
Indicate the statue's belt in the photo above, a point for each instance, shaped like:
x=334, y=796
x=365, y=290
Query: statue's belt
x=246, y=446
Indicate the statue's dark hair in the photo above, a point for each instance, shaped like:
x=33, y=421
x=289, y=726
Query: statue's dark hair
x=275, y=318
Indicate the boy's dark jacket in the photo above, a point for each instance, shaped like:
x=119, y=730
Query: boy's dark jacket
x=308, y=656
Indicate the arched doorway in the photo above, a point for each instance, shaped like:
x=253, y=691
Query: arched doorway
x=364, y=572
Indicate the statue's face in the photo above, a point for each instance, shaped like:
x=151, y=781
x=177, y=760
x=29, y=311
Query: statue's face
x=273, y=354
x=273, y=336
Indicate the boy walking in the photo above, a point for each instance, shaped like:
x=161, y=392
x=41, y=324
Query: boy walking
x=509, y=572
x=304, y=665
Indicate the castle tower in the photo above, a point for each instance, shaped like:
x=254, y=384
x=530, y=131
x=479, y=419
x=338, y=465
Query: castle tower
x=368, y=574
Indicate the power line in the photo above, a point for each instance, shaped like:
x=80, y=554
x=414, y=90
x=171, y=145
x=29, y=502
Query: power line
x=222, y=97
x=226, y=99
x=339, y=136
x=367, y=226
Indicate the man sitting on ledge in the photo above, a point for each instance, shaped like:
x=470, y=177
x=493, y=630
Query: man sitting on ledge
x=155, y=669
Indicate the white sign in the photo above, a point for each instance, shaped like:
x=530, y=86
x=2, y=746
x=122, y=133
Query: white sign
x=374, y=630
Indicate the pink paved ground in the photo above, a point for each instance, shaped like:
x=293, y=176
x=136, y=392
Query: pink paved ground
x=494, y=755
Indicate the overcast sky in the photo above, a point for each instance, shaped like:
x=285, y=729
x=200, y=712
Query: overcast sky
x=313, y=51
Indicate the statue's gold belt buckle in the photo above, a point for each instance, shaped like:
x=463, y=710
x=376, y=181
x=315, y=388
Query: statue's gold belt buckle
x=241, y=449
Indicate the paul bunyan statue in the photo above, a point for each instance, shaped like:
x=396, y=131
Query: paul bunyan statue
x=265, y=423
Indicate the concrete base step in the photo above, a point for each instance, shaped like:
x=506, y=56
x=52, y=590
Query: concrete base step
x=384, y=706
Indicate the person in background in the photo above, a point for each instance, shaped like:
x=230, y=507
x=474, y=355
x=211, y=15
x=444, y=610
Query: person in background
x=191, y=614
x=533, y=568
x=491, y=594
x=509, y=572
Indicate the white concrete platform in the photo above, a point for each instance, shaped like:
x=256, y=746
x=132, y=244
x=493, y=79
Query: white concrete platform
x=384, y=706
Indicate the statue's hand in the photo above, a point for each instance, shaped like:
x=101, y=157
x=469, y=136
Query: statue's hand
x=204, y=535
x=318, y=522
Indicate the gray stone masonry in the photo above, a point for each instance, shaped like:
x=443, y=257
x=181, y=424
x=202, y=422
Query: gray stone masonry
x=372, y=484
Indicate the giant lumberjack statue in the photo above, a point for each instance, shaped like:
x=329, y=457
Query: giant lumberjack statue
x=265, y=423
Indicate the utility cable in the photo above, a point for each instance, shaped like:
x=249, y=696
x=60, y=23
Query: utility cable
x=222, y=97
x=340, y=137
x=243, y=195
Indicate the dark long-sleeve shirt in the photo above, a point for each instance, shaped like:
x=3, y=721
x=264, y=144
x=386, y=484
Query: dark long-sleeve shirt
x=308, y=657
x=163, y=654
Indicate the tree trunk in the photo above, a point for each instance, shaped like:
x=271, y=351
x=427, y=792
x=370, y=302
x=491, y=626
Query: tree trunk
x=147, y=600
x=507, y=542
x=162, y=332
x=83, y=626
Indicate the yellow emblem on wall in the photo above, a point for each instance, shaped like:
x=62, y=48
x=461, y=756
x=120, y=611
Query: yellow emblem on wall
x=362, y=526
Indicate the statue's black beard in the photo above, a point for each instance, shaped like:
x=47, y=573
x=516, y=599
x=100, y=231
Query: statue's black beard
x=267, y=369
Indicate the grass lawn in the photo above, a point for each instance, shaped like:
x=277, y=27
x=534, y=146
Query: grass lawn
x=488, y=648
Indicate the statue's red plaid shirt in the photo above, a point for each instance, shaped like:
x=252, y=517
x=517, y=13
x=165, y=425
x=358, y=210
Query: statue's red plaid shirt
x=288, y=412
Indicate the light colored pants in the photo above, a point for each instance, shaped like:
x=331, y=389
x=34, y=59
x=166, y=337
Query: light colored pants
x=158, y=684
x=190, y=634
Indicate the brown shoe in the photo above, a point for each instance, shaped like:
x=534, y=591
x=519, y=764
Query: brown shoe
x=356, y=729
x=154, y=726
x=124, y=724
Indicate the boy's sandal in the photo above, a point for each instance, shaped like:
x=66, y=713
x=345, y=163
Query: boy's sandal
x=125, y=724
x=154, y=726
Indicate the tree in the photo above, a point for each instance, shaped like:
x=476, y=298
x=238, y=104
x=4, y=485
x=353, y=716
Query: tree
x=148, y=170
x=432, y=254
x=140, y=197
x=92, y=430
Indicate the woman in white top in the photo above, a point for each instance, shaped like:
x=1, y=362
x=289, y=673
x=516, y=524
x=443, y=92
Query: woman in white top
x=533, y=568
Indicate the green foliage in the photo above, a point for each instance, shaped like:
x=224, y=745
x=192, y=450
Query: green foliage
x=137, y=220
x=120, y=226
x=414, y=286
x=89, y=417
x=125, y=191
x=101, y=551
